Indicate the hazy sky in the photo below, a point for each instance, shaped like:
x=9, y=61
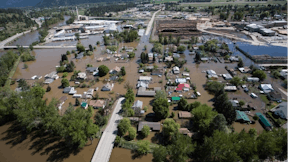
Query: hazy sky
x=17, y=3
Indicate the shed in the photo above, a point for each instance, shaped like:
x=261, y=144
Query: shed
x=175, y=99
x=252, y=79
x=97, y=104
x=230, y=88
x=84, y=105
x=265, y=123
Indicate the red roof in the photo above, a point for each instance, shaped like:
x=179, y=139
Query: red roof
x=184, y=85
x=178, y=89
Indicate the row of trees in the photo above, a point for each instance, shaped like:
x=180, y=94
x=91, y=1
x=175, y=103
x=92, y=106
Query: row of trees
x=31, y=112
x=129, y=100
x=6, y=64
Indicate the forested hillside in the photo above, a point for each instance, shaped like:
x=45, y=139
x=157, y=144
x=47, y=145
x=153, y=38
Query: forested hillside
x=13, y=21
x=101, y=9
x=50, y=3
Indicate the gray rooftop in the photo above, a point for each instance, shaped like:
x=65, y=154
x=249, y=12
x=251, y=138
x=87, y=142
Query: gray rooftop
x=155, y=126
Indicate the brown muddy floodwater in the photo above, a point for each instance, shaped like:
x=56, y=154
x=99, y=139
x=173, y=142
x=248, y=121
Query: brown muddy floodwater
x=125, y=155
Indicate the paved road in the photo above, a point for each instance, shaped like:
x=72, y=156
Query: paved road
x=149, y=26
x=106, y=143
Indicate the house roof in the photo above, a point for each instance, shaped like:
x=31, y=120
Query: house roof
x=108, y=86
x=175, y=98
x=83, y=104
x=211, y=72
x=117, y=69
x=185, y=114
x=227, y=76
x=143, y=92
x=178, y=89
x=281, y=107
x=275, y=94
x=242, y=116
x=145, y=78
x=266, y=87
x=183, y=85
x=180, y=80
x=155, y=126
x=97, y=103
x=138, y=103
x=92, y=69
x=176, y=68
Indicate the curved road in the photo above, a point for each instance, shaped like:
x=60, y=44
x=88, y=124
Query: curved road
x=106, y=143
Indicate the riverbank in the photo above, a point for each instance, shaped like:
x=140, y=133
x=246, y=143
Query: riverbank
x=12, y=72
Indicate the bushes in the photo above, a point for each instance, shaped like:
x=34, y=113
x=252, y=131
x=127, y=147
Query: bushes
x=27, y=57
x=131, y=54
x=103, y=70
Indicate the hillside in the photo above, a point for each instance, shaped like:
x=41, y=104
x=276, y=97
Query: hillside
x=50, y=3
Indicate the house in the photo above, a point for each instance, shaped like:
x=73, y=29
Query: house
x=150, y=56
x=115, y=70
x=145, y=78
x=69, y=90
x=48, y=81
x=244, y=69
x=234, y=103
x=266, y=88
x=143, y=92
x=52, y=75
x=265, y=123
x=227, y=76
x=77, y=96
x=241, y=116
x=82, y=75
x=154, y=126
x=284, y=73
x=281, y=110
x=92, y=69
x=230, y=88
x=186, y=74
x=80, y=55
x=176, y=70
x=274, y=96
x=180, y=80
x=86, y=96
x=137, y=104
x=117, y=55
x=232, y=72
x=97, y=104
x=252, y=79
x=168, y=58
x=61, y=102
x=142, y=84
x=184, y=115
x=183, y=86
x=84, y=105
x=107, y=87
x=186, y=132
x=113, y=78
x=158, y=71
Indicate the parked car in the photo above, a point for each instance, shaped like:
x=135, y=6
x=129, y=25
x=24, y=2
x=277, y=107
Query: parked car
x=246, y=89
x=253, y=95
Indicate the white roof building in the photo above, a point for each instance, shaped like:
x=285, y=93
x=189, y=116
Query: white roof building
x=180, y=80
x=211, y=72
x=145, y=78
x=176, y=70
x=82, y=75
x=266, y=88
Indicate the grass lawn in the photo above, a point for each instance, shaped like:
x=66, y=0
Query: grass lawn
x=266, y=101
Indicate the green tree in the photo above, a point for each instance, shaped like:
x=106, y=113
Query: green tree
x=31, y=47
x=181, y=48
x=80, y=47
x=145, y=131
x=65, y=75
x=236, y=81
x=98, y=43
x=170, y=127
x=181, y=148
x=131, y=133
x=260, y=74
x=178, y=41
x=68, y=53
x=160, y=94
x=48, y=89
x=218, y=123
x=77, y=35
x=182, y=104
x=143, y=147
x=131, y=54
x=38, y=91
x=123, y=72
x=159, y=154
x=158, y=48
x=247, y=148
x=241, y=103
x=214, y=86
x=100, y=120
x=91, y=48
x=123, y=126
x=165, y=40
x=77, y=102
x=103, y=70
x=203, y=115
x=275, y=74
x=65, y=83
x=240, y=63
x=161, y=108
x=160, y=38
x=193, y=105
x=25, y=66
